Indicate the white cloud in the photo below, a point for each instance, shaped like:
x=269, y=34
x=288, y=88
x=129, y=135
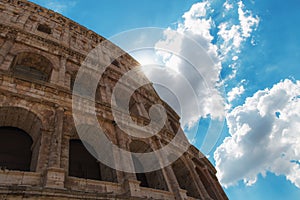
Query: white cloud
x=227, y=5
x=234, y=58
x=204, y=66
x=247, y=20
x=231, y=35
x=234, y=34
x=235, y=92
x=265, y=136
x=197, y=10
x=202, y=69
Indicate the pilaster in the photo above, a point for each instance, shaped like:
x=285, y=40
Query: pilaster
x=6, y=60
x=168, y=173
x=55, y=175
x=200, y=187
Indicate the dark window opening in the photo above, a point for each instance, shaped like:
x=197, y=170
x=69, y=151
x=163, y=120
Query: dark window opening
x=85, y=85
x=174, y=127
x=184, y=178
x=81, y=163
x=133, y=107
x=116, y=63
x=44, y=28
x=32, y=66
x=207, y=184
x=30, y=71
x=140, y=176
x=72, y=82
x=153, y=179
x=15, y=149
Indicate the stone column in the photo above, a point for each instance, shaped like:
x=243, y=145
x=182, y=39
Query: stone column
x=200, y=187
x=65, y=35
x=6, y=60
x=168, y=173
x=117, y=158
x=68, y=82
x=142, y=110
x=123, y=143
x=55, y=175
x=35, y=148
x=64, y=161
x=131, y=185
x=22, y=18
x=55, y=153
x=62, y=72
x=217, y=190
x=109, y=172
x=58, y=73
x=42, y=162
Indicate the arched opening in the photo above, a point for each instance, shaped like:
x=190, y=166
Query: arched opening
x=85, y=84
x=133, y=107
x=184, y=178
x=173, y=126
x=122, y=102
x=140, y=176
x=208, y=186
x=154, y=179
x=20, y=132
x=15, y=149
x=32, y=66
x=81, y=163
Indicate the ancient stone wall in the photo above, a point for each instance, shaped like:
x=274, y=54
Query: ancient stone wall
x=40, y=54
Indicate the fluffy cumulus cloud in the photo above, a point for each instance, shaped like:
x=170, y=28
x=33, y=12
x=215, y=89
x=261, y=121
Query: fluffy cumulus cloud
x=247, y=20
x=201, y=64
x=235, y=92
x=265, y=136
x=232, y=34
x=197, y=62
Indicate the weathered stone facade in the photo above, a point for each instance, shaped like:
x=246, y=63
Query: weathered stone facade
x=40, y=54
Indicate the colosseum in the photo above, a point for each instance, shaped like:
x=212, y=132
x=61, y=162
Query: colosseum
x=41, y=153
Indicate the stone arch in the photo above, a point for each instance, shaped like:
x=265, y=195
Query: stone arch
x=184, y=178
x=16, y=50
x=134, y=107
x=81, y=163
x=121, y=102
x=15, y=149
x=87, y=159
x=71, y=131
x=86, y=81
x=32, y=66
x=22, y=121
x=43, y=113
x=154, y=179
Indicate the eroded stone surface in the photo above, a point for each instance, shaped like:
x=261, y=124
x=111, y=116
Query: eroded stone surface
x=38, y=100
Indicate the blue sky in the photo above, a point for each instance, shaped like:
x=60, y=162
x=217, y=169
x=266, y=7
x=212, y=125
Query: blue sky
x=256, y=49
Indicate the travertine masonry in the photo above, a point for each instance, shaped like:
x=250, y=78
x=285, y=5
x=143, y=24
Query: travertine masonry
x=40, y=54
